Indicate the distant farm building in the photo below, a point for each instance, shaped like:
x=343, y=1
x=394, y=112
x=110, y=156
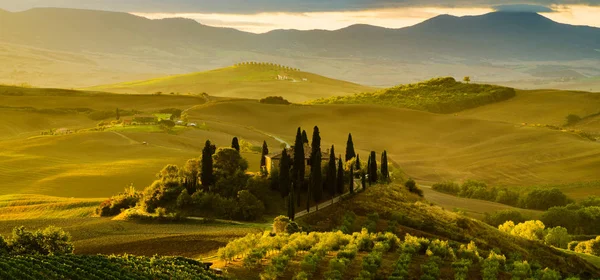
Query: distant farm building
x=272, y=160
x=63, y=131
x=145, y=119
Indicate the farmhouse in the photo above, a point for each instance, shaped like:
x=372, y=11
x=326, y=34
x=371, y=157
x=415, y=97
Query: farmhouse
x=272, y=160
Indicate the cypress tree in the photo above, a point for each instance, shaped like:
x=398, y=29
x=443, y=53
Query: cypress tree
x=351, y=187
x=263, y=157
x=299, y=165
x=118, y=114
x=235, y=144
x=340, y=177
x=369, y=168
x=291, y=205
x=358, y=165
x=316, y=179
x=304, y=137
x=330, y=180
x=385, y=174
x=363, y=181
x=284, y=174
x=316, y=142
x=350, y=153
x=373, y=168
x=206, y=174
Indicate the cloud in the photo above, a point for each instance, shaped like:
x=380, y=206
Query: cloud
x=261, y=6
x=524, y=8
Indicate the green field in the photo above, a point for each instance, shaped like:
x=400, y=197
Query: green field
x=243, y=81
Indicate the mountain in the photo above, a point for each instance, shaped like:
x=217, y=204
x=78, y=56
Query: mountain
x=499, y=46
x=254, y=81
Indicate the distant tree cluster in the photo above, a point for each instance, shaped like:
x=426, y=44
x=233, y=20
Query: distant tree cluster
x=49, y=241
x=278, y=100
x=267, y=64
x=582, y=217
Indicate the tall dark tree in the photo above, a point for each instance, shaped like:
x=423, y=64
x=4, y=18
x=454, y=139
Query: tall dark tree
x=284, y=174
x=235, y=143
x=373, y=168
x=118, y=114
x=207, y=173
x=351, y=186
x=330, y=180
x=350, y=153
x=385, y=173
x=316, y=143
x=304, y=137
x=363, y=181
x=358, y=164
x=299, y=165
x=340, y=177
x=291, y=205
x=263, y=156
x=316, y=179
x=369, y=169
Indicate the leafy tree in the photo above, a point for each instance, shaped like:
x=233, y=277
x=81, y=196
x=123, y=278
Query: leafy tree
x=558, y=237
x=251, y=207
x=340, y=177
x=304, y=137
x=316, y=178
x=118, y=114
x=373, y=168
x=330, y=180
x=280, y=223
x=227, y=161
x=298, y=167
x=351, y=187
x=385, y=173
x=358, y=163
x=263, y=157
x=467, y=79
x=235, y=144
x=350, y=153
x=191, y=172
x=573, y=119
x=206, y=175
x=49, y=241
x=284, y=174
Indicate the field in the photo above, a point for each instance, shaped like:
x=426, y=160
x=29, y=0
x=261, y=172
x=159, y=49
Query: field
x=243, y=81
x=429, y=147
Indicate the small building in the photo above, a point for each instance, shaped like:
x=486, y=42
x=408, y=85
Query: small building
x=63, y=131
x=192, y=124
x=145, y=119
x=272, y=160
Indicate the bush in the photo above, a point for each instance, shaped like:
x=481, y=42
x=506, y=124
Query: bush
x=4, y=249
x=491, y=266
x=447, y=187
x=591, y=247
x=573, y=119
x=500, y=217
x=431, y=269
x=558, y=237
x=274, y=100
x=280, y=223
x=251, y=208
x=532, y=230
x=521, y=270
x=50, y=241
x=461, y=269
x=412, y=187
x=292, y=228
x=545, y=199
x=548, y=274
x=114, y=205
x=347, y=222
x=162, y=193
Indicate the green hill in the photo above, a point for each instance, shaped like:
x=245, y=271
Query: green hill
x=441, y=95
x=248, y=80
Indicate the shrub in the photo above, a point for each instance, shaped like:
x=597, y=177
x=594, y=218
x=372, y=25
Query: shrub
x=292, y=228
x=491, y=266
x=50, y=241
x=280, y=223
x=545, y=199
x=461, y=269
x=347, y=222
x=4, y=249
x=274, y=100
x=573, y=119
x=401, y=267
x=500, y=217
x=371, y=223
x=162, y=193
x=469, y=252
x=412, y=187
x=431, y=269
x=447, y=187
x=532, y=230
x=591, y=247
x=114, y=205
x=558, y=237
x=521, y=270
x=251, y=208
x=548, y=274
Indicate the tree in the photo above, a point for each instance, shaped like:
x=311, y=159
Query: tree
x=227, y=161
x=369, y=169
x=191, y=171
x=358, y=164
x=316, y=178
x=298, y=167
x=304, y=137
x=558, y=237
x=385, y=173
x=467, y=79
x=340, y=177
x=235, y=144
x=573, y=119
x=330, y=180
x=363, y=181
x=373, y=168
x=351, y=187
x=263, y=157
x=118, y=114
x=284, y=174
x=350, y=153
x=206, y=175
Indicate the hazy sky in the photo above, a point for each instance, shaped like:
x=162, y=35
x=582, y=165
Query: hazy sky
x=265, y=15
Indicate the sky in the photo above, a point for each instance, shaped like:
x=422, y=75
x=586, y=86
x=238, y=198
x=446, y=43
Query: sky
x=260, y=16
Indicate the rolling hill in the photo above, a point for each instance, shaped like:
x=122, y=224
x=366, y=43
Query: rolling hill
x=252, y=81
x=500, y=46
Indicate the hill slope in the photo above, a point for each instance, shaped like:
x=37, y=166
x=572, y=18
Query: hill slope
x=245, y=81
x=441, y=95
x=430, y=147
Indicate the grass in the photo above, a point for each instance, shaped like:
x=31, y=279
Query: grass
x=429, y=147
x=441, y=95
x=244, y=81
x=20, y=207
x=146, y=128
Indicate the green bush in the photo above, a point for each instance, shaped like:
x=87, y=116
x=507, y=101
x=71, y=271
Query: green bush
x=558, y=237
x=431, y=268
x=4, y=249
x=548, y=274
x=49, y=241
x=500, y=217
x=292, y=228
x=521, y=270
x=412, y=187
x=447, y=187
x=114, y=205
x=461, y=269
x=544, y=199
x=274, y=100
x=573, y=119
x=250, y=207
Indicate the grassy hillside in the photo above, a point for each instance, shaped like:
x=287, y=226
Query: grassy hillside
x=101, y=267
x=539, y=107
x=18, y=207
x=245, y=81
x=431, y=147
x=441, y=95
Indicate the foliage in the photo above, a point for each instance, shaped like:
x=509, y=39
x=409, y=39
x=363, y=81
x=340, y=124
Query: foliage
x=543, y=199
x=49, y=241
x=228, y=161
x=114, y=205
x=164, y=191
x=330, y=178
x=591, y=247
x=278, y=100
x=521, y=270
x=412, y=187
x=350, y=153
x=235, y=144
x=207, y=177
x=491, y=266
x=448, y=187
x=251, y=208
x=431, y=269
x=440, y=95
x=576, y=218
x=573, y=119
x=500, y=217
x=557, y=237
x=461, y=269
x=532, y=230
x=280, y=223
